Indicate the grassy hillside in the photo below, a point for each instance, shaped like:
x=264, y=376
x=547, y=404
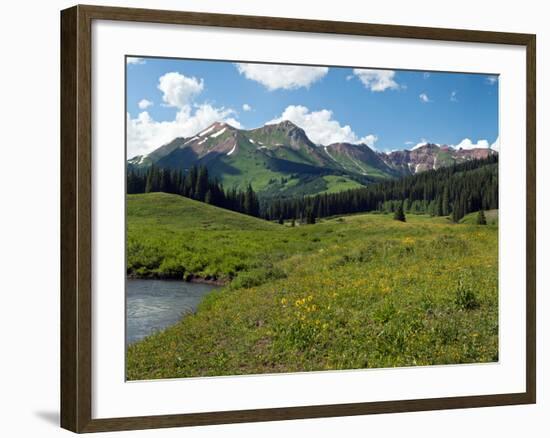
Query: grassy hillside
x=305, y=185
x=172, y=236
x=247, y=166
x=337, y=184
x=349, y=292
x=282, y=171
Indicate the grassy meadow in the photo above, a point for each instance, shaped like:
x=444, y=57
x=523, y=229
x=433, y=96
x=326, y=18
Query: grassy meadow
x=358, y=291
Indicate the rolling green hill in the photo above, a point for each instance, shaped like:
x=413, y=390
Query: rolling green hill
x=169, y=236
x=163, y=211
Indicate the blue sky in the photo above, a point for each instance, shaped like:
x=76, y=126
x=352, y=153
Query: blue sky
x=386, y=109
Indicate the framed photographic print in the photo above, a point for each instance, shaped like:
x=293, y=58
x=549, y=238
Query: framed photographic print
x=268, y=218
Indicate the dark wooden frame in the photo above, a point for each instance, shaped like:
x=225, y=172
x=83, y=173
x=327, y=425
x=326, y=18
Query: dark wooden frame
x=76, y=174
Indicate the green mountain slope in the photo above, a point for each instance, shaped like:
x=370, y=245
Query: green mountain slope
x=274, y=159
x=359, y=159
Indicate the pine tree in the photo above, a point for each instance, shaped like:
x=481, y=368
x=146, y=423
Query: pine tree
x=164, y=183
x=153, y=180
x=462, y=206
x=251, y=205
x=445, y=202
x=189, y=182
x=399, y=214
x=310, y=216
x=202, y=183
x=439, y=207
x=481, y=218
x=456, y=212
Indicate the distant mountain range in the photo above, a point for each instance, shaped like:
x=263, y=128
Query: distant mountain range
x=280, y=159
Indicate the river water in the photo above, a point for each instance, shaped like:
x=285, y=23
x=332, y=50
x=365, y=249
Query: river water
x=153, y=305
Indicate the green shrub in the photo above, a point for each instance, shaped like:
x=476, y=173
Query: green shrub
x=257, y=276
x=172, y=268
x=465, y=296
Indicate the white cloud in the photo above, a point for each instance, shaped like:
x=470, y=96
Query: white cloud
x=464, y=144
x=247, y=107
x=144, y=104
x=144, y=134
x=179, y=90
x=424, y=98
x=468, y=144
x=377, y=80
x=287, y=77
x=453, y=97
x=135, y=61
x=409, y=143
x=369, y=140
x=491, y=80
x=321, y=128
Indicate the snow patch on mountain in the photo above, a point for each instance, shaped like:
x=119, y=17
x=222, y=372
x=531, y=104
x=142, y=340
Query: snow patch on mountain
x=207, y=130
x=139, y=159
x=328, y=153
x=218, y=133
x=191, y=139
x=232, y=150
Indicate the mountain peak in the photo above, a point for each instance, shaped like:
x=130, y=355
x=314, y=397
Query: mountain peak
x=288, y=124
x=425, y=145
x=283, y=132
x=285, y=125
x=216, y=127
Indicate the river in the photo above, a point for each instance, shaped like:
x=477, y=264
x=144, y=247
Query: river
x=153, y=305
